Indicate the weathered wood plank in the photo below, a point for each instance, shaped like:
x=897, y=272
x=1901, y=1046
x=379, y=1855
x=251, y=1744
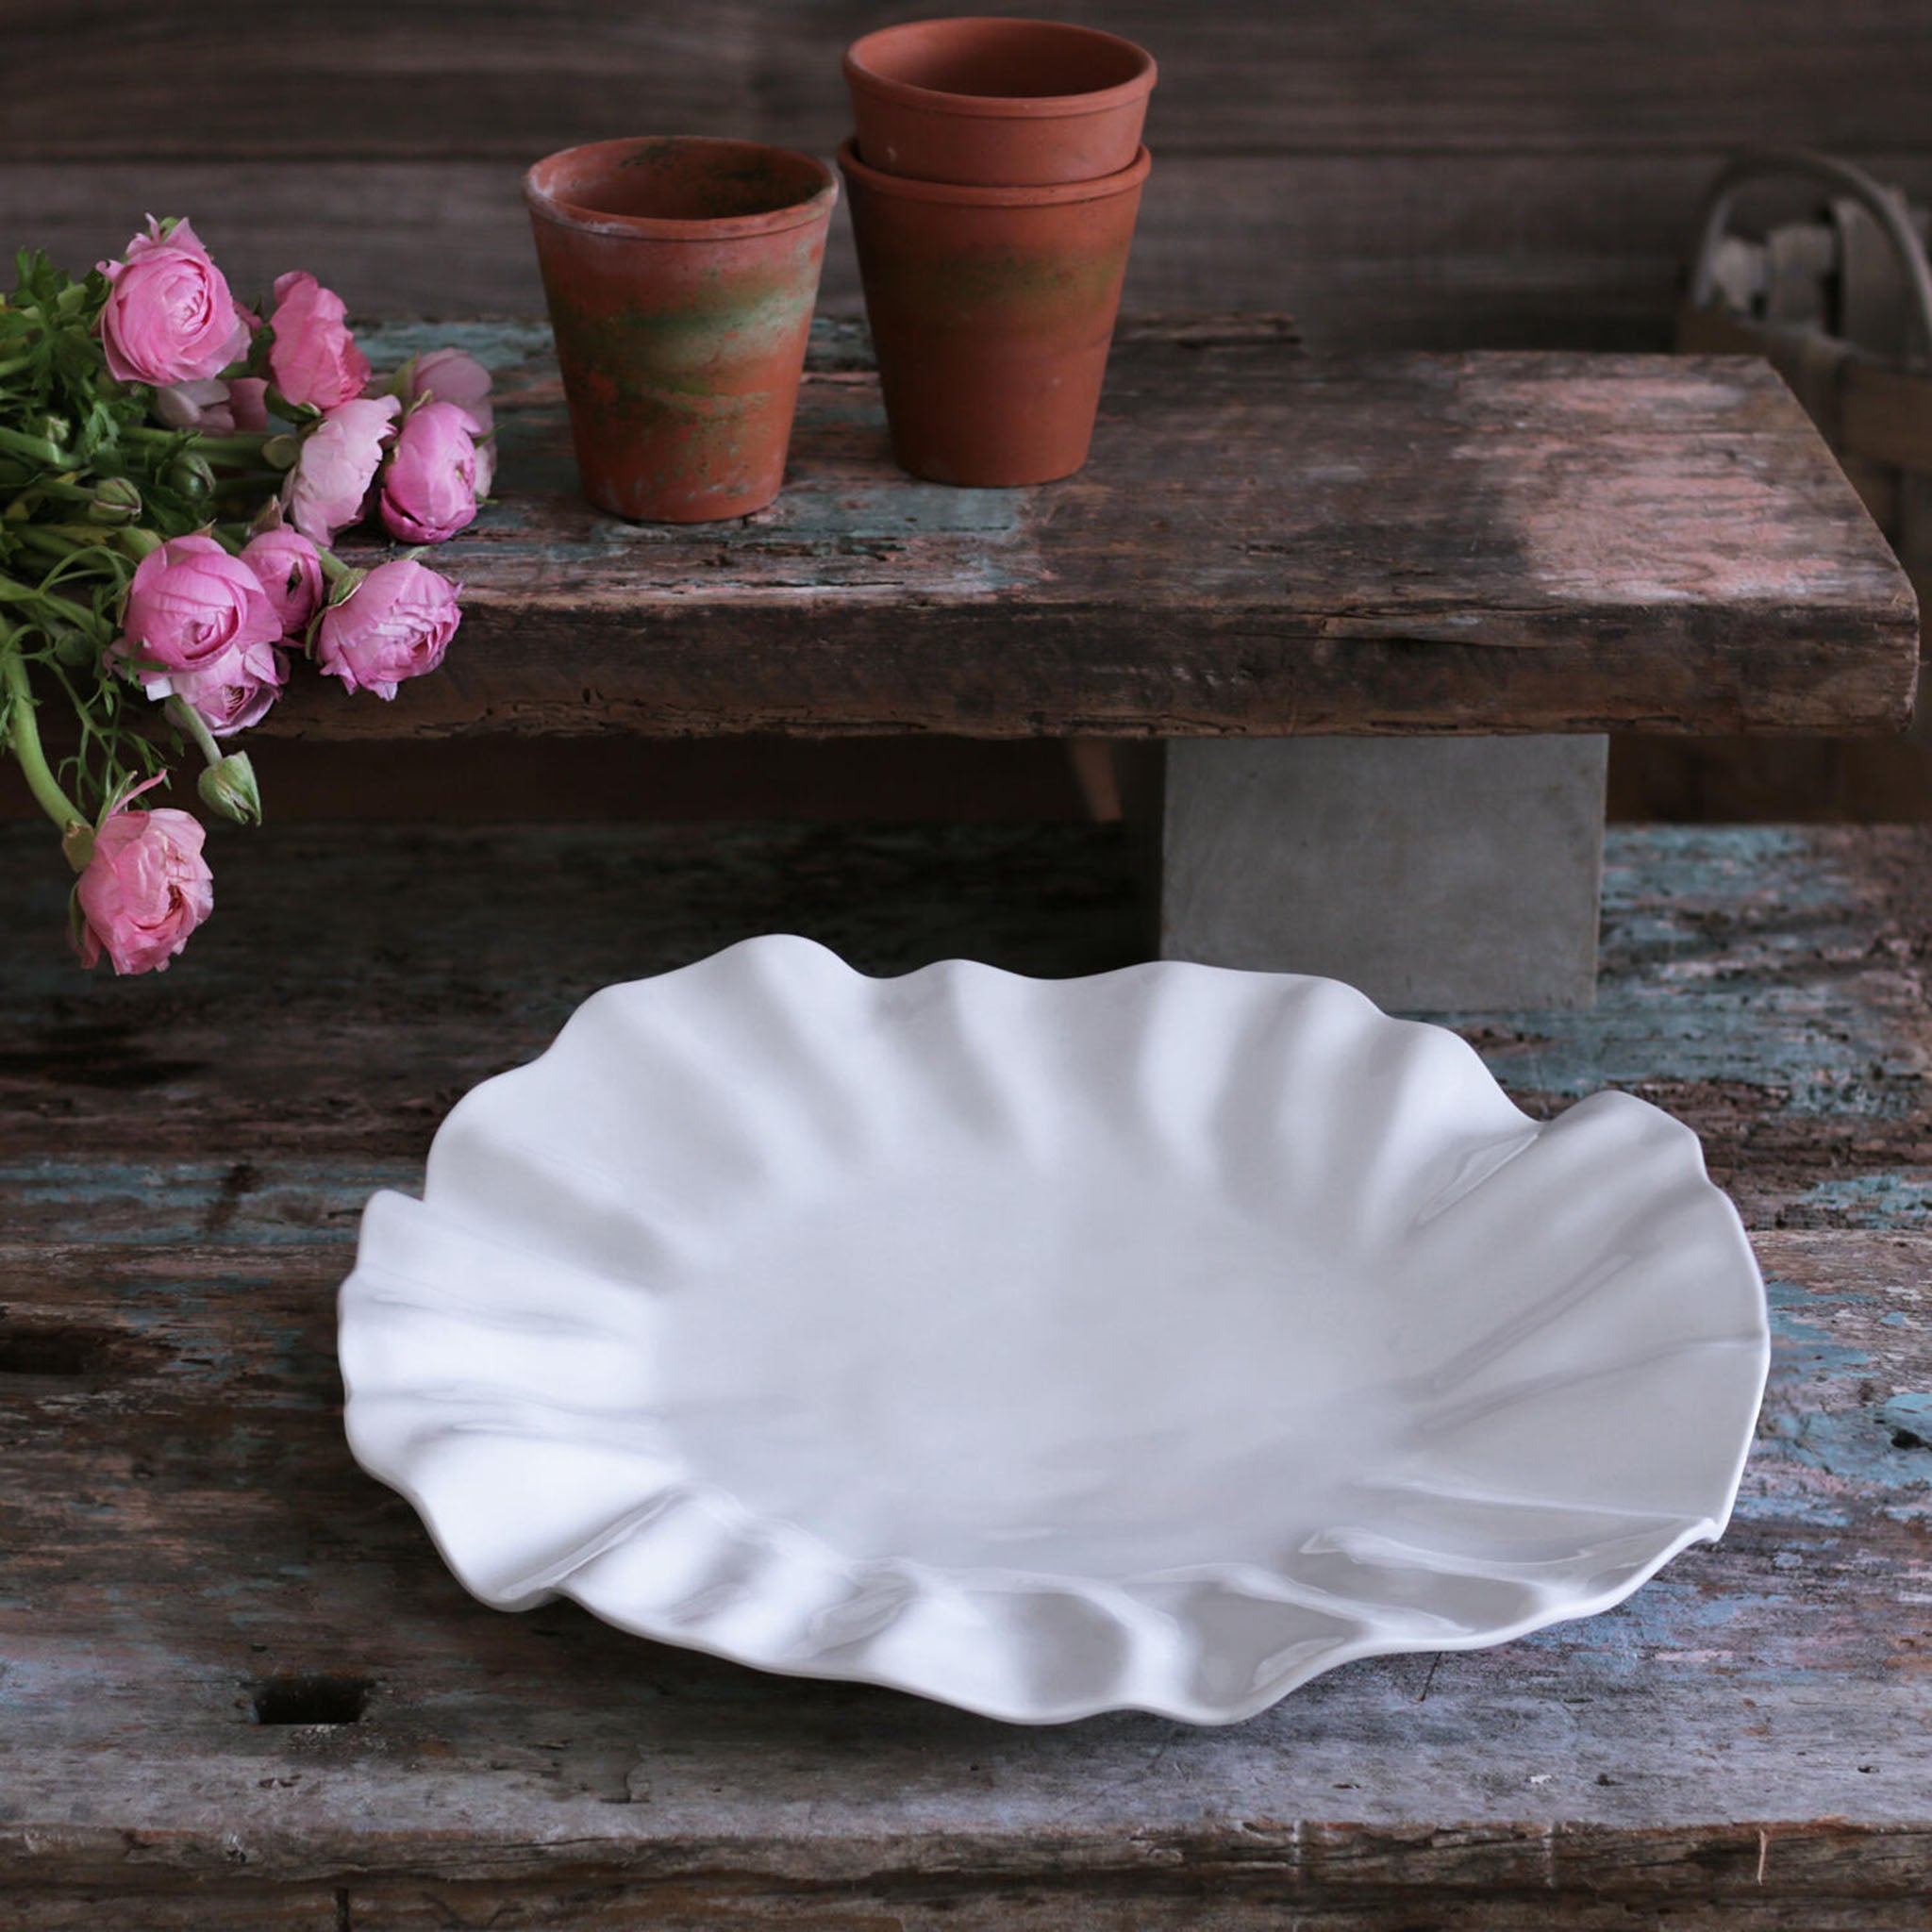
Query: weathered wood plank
x=1399, y=250
x=237, y=1909
x=1261, y=543
x=489, y=77
x=1142, y=1902
x=191, y=1546
x=1747, y=1743
x=1769, y=986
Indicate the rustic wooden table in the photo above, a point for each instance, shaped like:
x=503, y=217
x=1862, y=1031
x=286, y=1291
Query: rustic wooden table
x=1266, y=547
x=1263, y=542
x=239, y=1689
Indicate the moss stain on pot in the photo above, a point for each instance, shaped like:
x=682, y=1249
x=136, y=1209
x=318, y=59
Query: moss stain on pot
x=1003, y=290
x=681, y=344
x=991, y=310
x=674, y=378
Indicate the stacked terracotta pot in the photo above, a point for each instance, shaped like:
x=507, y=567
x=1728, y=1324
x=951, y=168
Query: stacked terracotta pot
x=994, y=177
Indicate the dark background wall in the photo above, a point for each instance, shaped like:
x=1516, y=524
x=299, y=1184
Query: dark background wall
x=1395, y=172
x=1461, y=173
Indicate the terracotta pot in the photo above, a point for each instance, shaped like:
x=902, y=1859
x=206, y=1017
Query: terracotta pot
x=998, y=103
x=680, y=275
x=991, y=310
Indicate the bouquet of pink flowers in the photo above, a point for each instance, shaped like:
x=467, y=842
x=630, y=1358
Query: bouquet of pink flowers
x=173, y=470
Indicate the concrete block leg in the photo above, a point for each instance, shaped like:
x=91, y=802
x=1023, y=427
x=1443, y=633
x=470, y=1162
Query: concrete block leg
x=1433, y=874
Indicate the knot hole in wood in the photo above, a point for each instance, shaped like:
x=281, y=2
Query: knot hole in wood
x=311, y=1700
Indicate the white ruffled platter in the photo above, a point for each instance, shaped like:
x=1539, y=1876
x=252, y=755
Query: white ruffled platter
x=1155, y=1341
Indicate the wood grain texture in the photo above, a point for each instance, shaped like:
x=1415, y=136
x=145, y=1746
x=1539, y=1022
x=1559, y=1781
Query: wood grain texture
x=1771, y=985
x=1462, y=174
x=1747, y=1743
x=494, y=77
x=1458, y=174
x=1260, y=544
x=1400, y=250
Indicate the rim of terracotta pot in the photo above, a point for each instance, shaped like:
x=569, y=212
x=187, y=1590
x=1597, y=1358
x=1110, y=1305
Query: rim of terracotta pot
x=1010, y=106
x=963, y=194
x=542, y=192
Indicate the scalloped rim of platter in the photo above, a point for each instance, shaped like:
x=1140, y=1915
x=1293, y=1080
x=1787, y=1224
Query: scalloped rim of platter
x=783, y=1596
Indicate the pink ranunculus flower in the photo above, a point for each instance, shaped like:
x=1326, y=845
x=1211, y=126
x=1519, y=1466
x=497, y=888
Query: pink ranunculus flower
x=314, y=359
x=290, y=571
x=169, y=317
x=145, y=888
x=214, y=407
x=191, y=604
x=396, y=624
x=205, y=406
x=248, y=401
x=237, y=689
x=449, y=376
x=329, y=485
x=429, y=486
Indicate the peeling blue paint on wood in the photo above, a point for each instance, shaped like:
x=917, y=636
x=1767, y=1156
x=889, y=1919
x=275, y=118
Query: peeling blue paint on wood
x=505, y=343
x=1740, y=954
x=499, y=344
x=1855, y=1445
x=1892, y=1199
x=858, y=519
x=194, y=1201
x=1910, y=1414
x=1799, y=1338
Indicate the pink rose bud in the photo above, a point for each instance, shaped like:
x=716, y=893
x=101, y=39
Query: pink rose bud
x=145, y=888
x=429, y=488
x=190, y=604
x=206, y=407
x=248, y=400
x=236, y=690
x=289, y=572
x=329, y=485
x=169, y=316
x=448, y=375
x=396, y=624
x=314, y=359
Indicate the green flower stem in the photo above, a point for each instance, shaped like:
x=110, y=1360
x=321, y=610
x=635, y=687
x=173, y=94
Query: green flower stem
x=66, y=487
x=50, y=540
x=38, y=447
x=245, y=447
x=333, y=569
x=64, y=540
x=190, y=723
x=76, y=616
x=24, y=736
x=242, y=448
